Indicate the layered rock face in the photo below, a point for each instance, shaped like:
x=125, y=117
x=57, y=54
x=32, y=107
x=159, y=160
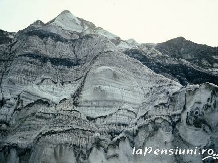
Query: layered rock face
x=179, y=59
x=72, y=92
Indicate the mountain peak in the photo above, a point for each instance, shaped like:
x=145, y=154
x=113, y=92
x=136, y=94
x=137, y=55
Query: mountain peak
x=67, y=21
x=38, y=23
x=177, y=39
x=65, y=12
x=180, y=37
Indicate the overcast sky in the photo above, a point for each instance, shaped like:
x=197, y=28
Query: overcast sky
x=148, y=21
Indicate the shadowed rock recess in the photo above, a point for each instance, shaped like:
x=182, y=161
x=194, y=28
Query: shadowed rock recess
x=72, y=92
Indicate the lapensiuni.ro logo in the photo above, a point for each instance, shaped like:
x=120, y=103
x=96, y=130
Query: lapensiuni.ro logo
x=207, y=153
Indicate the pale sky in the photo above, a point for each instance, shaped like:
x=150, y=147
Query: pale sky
x=147, y=21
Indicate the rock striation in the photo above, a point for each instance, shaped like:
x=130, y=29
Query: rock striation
x=72, y=92
x=179, y=59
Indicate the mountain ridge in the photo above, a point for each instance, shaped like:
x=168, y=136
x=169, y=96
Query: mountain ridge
x=68, y=12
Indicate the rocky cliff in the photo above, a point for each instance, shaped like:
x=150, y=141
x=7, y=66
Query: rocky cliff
x=72, y=92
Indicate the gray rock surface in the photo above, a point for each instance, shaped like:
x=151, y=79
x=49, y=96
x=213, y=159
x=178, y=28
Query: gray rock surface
x=71, y=93
x=179, y=59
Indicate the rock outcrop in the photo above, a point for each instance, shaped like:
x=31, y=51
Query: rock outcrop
x=179, y=59
x=72, y=92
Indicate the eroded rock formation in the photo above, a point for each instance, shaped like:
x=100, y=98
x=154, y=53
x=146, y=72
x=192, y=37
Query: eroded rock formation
x=72, y=92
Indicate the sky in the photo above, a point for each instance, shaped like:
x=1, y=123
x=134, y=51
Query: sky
x=146, y=21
